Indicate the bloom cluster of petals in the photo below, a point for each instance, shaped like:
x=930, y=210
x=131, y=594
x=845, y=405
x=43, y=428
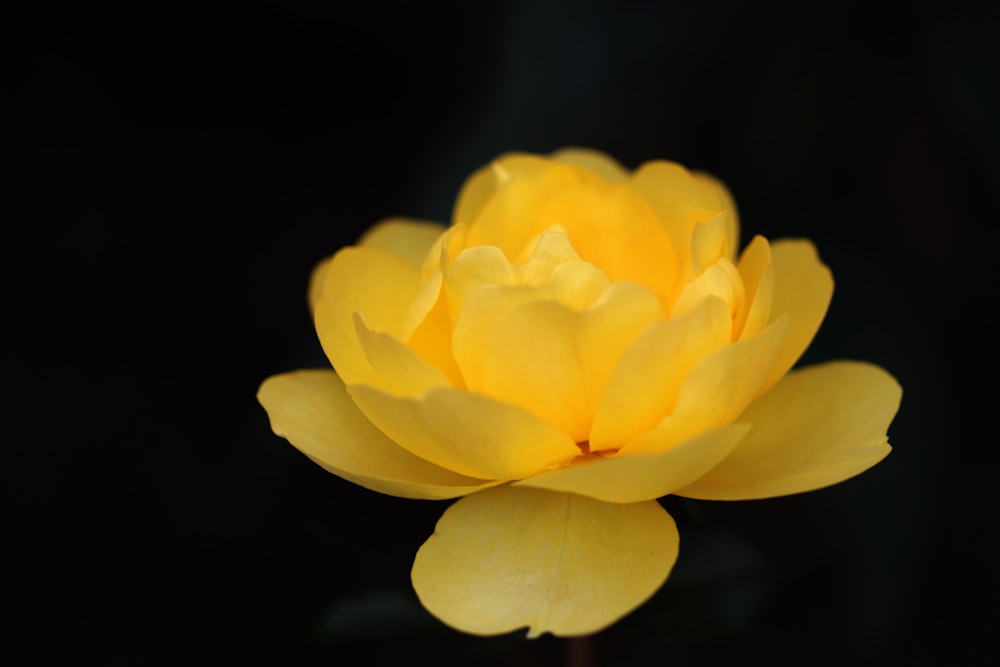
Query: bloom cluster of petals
x=581, y=340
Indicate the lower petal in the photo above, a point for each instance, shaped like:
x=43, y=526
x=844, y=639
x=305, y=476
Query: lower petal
x=313, y=411
x=816, y=427
x=630, y=479
x=508, y=558
x=473, y=435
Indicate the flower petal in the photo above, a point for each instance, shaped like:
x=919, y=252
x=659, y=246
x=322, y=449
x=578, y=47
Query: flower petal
x=509, y=557
x=643, y=388
x=679, y=200
x=409, y=239
x=816, y=427
x=312, y=410
x=803, y=286
x=471, y=434
x=614, y=228
x=510, y=218
x=483, y=184
x=403, y=372
x=555, y=362
x=629, y=479
x=715, y=393
x=597, y=162
x=367, y=280
x=758, y=280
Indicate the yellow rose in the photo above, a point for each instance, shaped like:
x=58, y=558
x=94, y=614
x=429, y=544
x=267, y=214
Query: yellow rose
x=581, y=341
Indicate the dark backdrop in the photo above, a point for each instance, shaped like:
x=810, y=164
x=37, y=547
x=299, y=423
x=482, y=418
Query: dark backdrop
x=177, y=170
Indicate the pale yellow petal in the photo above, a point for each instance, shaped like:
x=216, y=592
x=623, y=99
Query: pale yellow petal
x=643, y=388
x=816, y=427
x=803, y=286
x=721, y=280
x=629, y=479
x=509, y=558
x=555, y=362
x=402, y=371
x=473, y=269
x=312, y=410
x=368, y=280
x=471, y=434
x=597, y=162
x=716, y=392
x=409, y=239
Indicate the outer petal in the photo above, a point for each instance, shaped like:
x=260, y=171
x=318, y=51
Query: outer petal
x=715, y=393
x=816, y=427
x=367, y=280
x=629, y=479
x=803, y=286
x=471, y=434
x=409, y=239
x=513, y=557
x=313, y=411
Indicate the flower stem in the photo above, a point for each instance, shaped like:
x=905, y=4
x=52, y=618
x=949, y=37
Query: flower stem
x=580, y=652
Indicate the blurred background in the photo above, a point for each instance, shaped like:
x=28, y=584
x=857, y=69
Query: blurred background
x=176, y=170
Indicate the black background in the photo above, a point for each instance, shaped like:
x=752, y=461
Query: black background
x=177, y=170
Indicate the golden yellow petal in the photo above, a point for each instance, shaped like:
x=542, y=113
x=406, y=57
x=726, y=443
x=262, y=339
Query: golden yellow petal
x=509, y=558
x=312, y=411
x=368, y=280
x=629, y=479
x=409, y=239
x=479, y=188
x=511, y=217
x=679, y=200
x=427, y=328
x=555, y=362
x=709, y=243
x=758, y=281
x=471, y=434
x=612, y=227
x=803, y=286
x=402, y=371
x=714, y=190
x=816, y=427
x=643, y=388
x=597, y=162
x=716, y=392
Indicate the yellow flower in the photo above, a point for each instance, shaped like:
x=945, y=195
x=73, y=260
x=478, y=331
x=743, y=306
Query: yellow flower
x=581, y=341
